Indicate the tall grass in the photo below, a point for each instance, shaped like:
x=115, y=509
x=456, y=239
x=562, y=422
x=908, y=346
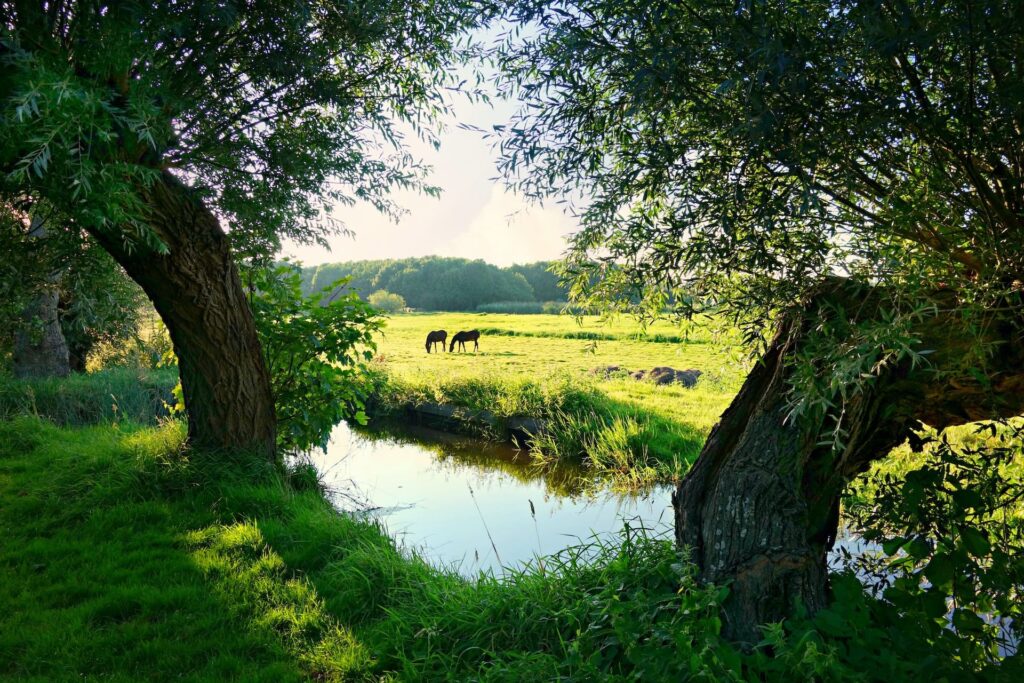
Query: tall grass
x=116, y=394
x=524, y=307
x=654, y=338
x=624, y=443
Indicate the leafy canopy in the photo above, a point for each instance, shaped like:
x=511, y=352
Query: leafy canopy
x=275, y=108
x=740, y=153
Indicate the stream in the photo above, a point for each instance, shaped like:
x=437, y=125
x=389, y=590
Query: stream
x=474, y=506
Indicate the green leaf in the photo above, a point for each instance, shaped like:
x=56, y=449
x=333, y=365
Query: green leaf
x=940, y=570
x=975, y=541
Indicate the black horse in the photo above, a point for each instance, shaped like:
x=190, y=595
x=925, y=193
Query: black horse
x=436, y=337
x=461, y=338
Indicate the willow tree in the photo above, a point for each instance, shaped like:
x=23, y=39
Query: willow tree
x=166, y=128
x=844, y=173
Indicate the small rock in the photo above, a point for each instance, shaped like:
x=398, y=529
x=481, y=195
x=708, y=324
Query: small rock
x=662, y=375
x=607, y=371
x=666, y=375
x=688, y=378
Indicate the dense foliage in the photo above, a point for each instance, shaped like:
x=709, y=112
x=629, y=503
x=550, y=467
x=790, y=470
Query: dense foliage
x=740, y=153
x=955, y=517
x=436, y=283
x=314, y=347
x=273, y=109
x=98, y=303
x=543, y=280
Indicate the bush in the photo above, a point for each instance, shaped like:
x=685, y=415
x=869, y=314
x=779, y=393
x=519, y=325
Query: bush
x=148, y=348
x=955, y=518
x=523, y=307
x=314, y=347
x=386, y=301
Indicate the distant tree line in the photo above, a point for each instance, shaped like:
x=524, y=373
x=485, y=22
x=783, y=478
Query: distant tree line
x=435, y=283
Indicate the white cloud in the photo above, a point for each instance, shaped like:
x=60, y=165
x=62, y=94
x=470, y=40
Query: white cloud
x=510, y=230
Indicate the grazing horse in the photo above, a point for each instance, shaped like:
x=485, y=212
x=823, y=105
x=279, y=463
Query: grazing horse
x=436, y=337
x=461, y=338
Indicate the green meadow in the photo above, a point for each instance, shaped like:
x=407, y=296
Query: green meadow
x=542, y=366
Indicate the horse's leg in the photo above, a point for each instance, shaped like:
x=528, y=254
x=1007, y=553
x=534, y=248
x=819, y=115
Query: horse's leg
x=476, y=345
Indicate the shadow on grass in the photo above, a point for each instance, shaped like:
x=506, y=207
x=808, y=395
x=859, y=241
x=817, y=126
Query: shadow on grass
x=116, y=564
x=119, y=394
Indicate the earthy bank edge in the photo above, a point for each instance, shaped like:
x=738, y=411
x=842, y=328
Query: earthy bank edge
x=520, y=431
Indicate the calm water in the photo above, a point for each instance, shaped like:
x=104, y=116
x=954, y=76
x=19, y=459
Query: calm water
x=471, y=505
x=477, y=506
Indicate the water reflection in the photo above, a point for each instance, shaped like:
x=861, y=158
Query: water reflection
x=474, y=506
x=479, y=506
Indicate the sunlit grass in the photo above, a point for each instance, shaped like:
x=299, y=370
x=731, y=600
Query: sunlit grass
x=539, y=366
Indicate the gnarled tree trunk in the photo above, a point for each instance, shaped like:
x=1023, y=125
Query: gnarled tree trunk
x=197, y=292
x=760, y=507
x=39, y=346
x=40, y=349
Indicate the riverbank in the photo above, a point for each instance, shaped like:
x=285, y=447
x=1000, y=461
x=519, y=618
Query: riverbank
x=127, y=556
x=540, y=371
x=562, y=419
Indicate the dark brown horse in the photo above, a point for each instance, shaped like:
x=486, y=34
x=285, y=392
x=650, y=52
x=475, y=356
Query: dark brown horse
x=461, y=338
x=436, y=337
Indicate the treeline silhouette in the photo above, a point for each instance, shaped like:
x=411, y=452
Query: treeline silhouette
x=435, y=283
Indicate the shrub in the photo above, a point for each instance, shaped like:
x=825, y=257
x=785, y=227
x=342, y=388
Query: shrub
x=386, y=301
x=524, y=307
x=314, y=347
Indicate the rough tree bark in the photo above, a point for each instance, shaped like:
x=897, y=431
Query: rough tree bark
x=196, y=289
x=760, y=507
x=39, y=346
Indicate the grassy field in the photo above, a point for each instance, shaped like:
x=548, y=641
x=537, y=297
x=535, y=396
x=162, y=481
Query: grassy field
x=540, y=366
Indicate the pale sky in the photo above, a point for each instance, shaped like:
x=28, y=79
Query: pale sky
x=475, y=217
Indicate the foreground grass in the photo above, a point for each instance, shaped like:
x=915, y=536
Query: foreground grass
x=126, y=557
x=538, y=366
